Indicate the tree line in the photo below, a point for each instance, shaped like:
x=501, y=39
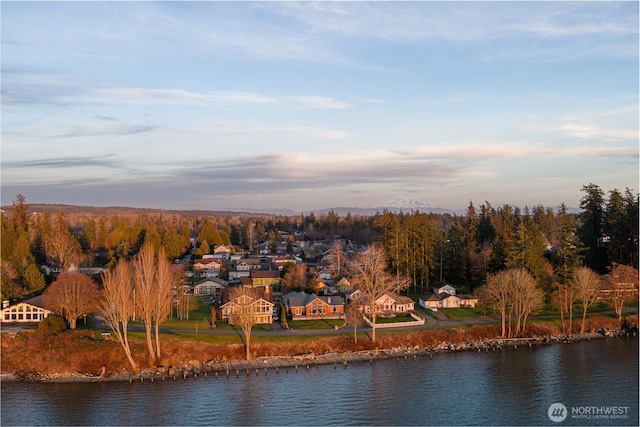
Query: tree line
x=550, y=244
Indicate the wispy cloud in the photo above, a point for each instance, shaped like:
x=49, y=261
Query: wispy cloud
x=485, y=151
x=107, y=161
x=596, y=133
x=113, y=129
x=30, y=89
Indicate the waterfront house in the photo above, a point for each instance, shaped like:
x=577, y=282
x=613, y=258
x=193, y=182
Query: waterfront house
x=260, y=305
x=304, y=306
x=445, y=297
x=29, y=311
x=389, y=304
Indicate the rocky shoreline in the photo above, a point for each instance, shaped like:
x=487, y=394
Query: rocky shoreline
x=278, y=364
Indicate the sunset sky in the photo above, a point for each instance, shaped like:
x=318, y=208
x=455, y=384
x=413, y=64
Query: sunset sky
x=216, y=105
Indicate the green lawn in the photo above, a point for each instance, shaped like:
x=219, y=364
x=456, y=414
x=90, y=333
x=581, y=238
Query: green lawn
x=462, y=313
x=397, y=319
x=315, y=324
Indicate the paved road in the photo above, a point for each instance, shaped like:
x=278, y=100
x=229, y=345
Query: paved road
x=429, y=324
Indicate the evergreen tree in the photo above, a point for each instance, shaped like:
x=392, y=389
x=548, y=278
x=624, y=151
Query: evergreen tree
x=567, y=252
x=591, y=228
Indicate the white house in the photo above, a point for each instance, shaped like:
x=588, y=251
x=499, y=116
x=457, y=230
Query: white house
x=31, y=310
x=261, y=308
x=389, y=303
x=445, y=297
x=444, y=289
x=222, y=250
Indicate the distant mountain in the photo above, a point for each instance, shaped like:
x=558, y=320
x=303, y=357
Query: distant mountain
x=408, y=204
x=398, y=205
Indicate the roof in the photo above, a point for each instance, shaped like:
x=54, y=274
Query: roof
x=210, y=283
x=37, y=301
x=265, y=274
x=260, y=293
x=332, y=300
x=299, y=299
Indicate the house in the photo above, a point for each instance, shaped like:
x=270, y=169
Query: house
x=431, y=302
x=31, y=310
x=243, y=268
x=261, y=306
x=389, y=304
x=303, y=306
x=222, y=250
x=342, y=285
x=445, y=297
x=444, y=288
x=238, y=272
x=212, y=287
x=353, y=294
x=206, y=264
x=264, y=277
x=324, y=274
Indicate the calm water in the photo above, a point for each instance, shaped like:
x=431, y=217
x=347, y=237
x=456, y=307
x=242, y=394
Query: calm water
x=497, y=388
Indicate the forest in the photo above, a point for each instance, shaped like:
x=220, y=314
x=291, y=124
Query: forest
x=426, y=248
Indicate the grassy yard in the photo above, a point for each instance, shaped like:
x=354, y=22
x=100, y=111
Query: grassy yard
x=462, y=313
x=199, y=314
x=397, y=319
x=315, y=324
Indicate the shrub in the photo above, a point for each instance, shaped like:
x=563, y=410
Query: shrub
x=52, y=325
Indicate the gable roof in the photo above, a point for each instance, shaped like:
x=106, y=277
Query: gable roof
x=260, y=293
x=298, y=299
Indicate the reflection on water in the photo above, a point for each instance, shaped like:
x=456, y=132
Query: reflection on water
x=514, y=387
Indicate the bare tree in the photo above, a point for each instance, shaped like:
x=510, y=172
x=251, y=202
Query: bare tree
x=526, y=297
x=153, y=282
x=242, y=312
x=514, y=293
x=336, y=259
x=495, y=294
x=118, y=306
x=61, y=246
x=144, y=277
x=296, y=278
x=353, y=316
x=622, y=284
x=162, y=298
x=368, y=273
x=586, y=284
x=72, y=295
x=564, y=297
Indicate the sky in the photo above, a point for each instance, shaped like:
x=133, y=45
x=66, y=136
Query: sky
x=305, y=106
